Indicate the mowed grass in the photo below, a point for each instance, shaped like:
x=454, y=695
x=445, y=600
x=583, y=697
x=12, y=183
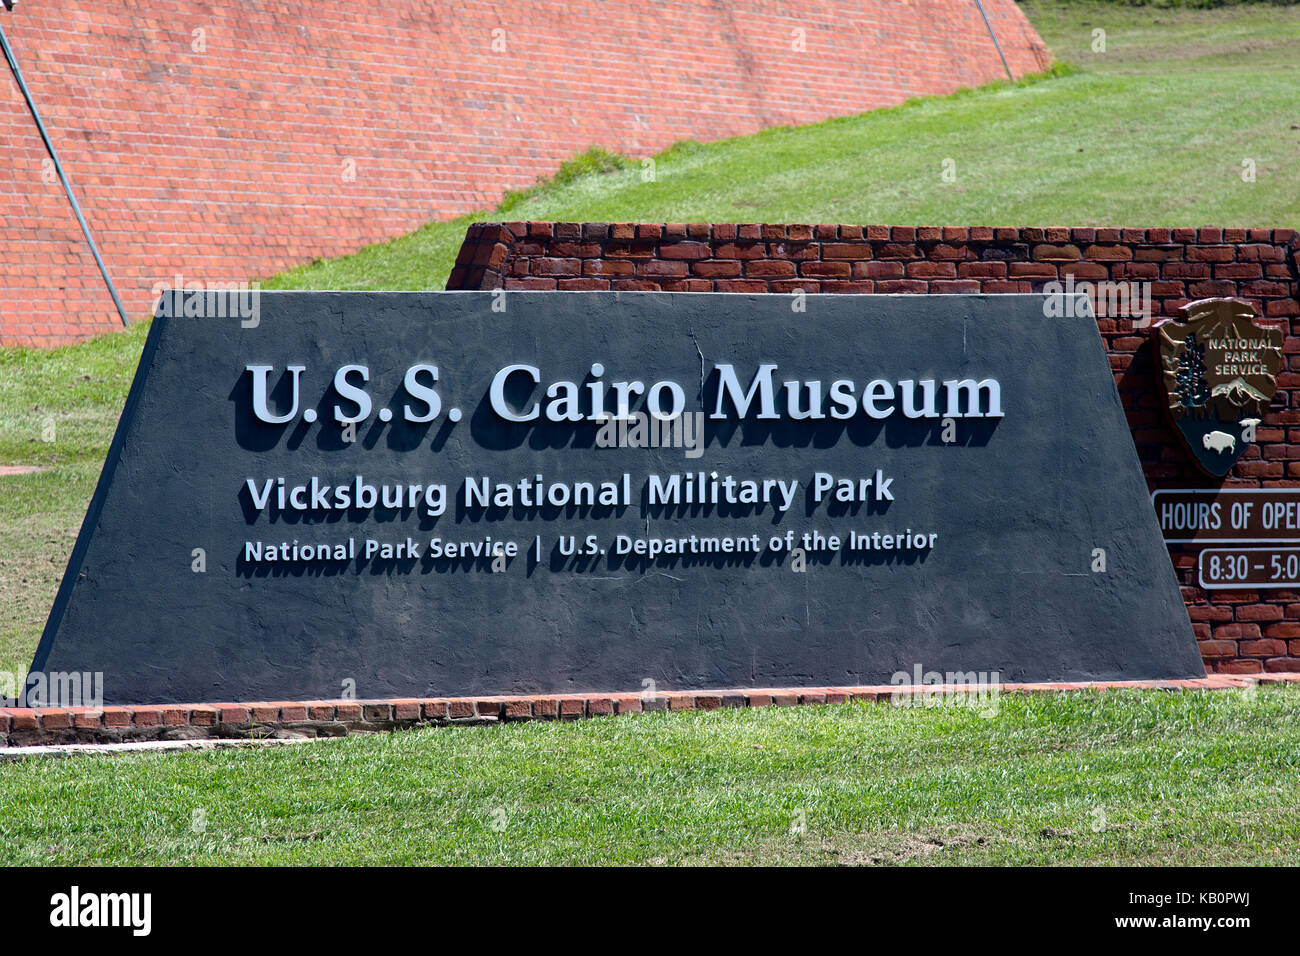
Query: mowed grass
x=1135, y=778
x=1151, y=132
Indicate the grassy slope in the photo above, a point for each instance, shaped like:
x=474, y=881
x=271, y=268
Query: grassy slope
x=1144, y=137
x=1119, y=778
x=79, y=390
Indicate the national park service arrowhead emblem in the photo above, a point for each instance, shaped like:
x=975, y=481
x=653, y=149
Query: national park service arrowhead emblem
x=1219, y=367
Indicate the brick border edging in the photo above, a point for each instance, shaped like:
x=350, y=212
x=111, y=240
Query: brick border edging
x=22, y=726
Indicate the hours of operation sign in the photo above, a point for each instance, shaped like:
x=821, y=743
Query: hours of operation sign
x=1237, y=516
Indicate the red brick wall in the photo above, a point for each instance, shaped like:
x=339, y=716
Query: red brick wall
x=228, y=163
x=1240, y=632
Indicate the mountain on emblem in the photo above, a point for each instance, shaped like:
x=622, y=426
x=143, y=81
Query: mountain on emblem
x=1219, y=368
x=1239, y=392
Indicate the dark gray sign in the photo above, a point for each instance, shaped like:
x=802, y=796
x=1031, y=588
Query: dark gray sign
x=410, y=494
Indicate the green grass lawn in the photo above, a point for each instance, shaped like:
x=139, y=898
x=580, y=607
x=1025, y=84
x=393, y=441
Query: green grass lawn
x=1151, y=132
x=1154, y=778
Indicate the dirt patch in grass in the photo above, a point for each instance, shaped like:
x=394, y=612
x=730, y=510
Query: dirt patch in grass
x=881, y=848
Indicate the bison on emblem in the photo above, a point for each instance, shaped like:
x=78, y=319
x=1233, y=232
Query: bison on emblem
x=1219, y=442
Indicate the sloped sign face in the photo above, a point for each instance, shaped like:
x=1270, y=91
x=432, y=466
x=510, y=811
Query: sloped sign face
x=410, y=494
x=1219, y=369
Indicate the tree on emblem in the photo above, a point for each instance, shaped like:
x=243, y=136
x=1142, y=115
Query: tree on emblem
x=1190, y=385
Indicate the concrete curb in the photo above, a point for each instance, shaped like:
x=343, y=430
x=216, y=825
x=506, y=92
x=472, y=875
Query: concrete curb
x=14, y=754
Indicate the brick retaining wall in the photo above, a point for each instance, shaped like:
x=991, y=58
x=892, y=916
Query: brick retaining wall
x=227, y=142
x=1239, y=632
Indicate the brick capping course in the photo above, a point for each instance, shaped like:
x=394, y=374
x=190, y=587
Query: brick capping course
x=1182, y=264
x=1239, y=632
x=23, y=726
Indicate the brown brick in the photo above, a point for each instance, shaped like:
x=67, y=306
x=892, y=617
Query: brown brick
x=1211, y=253
x=849, y=250
x=547, y=708
x=83, y=718
x=146, y=716
x=234, y=714
x=1217, y=649
x=830, y=270
x=659, y=267
x=685, y=250
x=1259, y=612
x=716, y=268
x=1262, y=648
x=407, y=709
x=518, y=708
x=56, y=718
x=608, y=268
x=896, y=250
x=434, y=708
x=261, y=713
x=931, y=270
x=1101, y=253
x=1031, y=270
x=981, y=270
x=1047, y=251
x=200, y=715
x=291, y=710
x=769, y=268
x=347, y=710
